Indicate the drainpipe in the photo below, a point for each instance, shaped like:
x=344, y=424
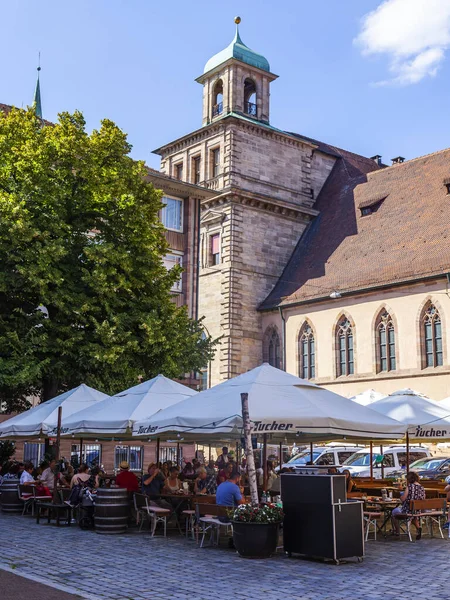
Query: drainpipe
x=283, y=339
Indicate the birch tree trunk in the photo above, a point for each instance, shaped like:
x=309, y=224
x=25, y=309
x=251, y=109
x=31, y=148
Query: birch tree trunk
x=249, y=451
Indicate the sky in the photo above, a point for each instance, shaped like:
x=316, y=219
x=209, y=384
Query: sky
x=369, y=76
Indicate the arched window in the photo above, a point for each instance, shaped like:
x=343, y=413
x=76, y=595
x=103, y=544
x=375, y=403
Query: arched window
x=274, y=349
x=217, y=98
x=307, y=352
x=432, y=337
x=385, y=340
x=344, y=346
x=250, y=97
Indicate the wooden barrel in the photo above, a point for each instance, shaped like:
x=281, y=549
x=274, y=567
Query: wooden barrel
x=112, y=509
x=9, y=498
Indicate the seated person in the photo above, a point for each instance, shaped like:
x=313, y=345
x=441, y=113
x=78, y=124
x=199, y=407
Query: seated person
x=225, y=473
x=350, y=484
x=27, y=478
x=211, y=478
x=172, y=484
x=200, y=482
x=413, y=491
x=188, y=472
x=276, y=484
x=127, y=479
x=81, y=477
x=228, y=493
x=48, y=476
x=152, y=486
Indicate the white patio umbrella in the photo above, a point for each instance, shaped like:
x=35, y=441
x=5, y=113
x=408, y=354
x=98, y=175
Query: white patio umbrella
x=280, y=405
x=366, y=398
x=117, y=414
x=425, y=419
x=42, y=420
x=445, y=403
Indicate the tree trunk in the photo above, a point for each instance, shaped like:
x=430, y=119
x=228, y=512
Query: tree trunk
x=50, y=389
x=249, y=451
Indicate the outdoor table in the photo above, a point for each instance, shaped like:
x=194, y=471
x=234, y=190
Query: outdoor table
x=386, y=506
x=57, y=509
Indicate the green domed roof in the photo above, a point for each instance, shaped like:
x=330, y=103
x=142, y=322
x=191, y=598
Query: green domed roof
x=237, y=49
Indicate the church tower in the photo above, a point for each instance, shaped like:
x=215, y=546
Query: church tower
x=265, y=182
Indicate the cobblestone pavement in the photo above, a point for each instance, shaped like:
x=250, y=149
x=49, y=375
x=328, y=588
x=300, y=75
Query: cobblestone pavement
x=137, y=567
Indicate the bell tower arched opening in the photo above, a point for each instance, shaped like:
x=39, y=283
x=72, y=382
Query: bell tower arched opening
x=250, y=107
x=217, y=103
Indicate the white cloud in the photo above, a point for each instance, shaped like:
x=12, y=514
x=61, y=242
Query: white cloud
x=414, y=34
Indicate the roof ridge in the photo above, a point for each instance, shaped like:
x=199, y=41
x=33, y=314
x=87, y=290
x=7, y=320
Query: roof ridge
x=411, y=160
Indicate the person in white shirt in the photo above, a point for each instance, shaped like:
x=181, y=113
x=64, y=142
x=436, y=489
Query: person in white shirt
x=26, y=478
x=48, y=476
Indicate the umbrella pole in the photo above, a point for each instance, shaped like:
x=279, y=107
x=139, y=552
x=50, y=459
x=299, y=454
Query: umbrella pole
x=249, y=450
x=209, y=452
x=81, y=452
x=311, y=452
x=237, y=454
x=407, y=453
x=157, y=452
x=382, y=463
x=58, y=442
x=371, y=461
x=281, y=454
x=178, y=455
x=265, y=462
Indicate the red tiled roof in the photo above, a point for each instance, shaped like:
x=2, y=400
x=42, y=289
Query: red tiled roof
x=405, y=239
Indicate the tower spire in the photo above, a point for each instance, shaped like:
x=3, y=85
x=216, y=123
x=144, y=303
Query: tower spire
x=37, y=93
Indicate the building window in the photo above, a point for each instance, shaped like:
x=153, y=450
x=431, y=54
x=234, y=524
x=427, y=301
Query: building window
x=196, y=174
x=133, y=455
x=386, y=343
x=33, y=452
x=274, y=350
x=214, y=241
x=250, y=97
x=344, y=342
x=170, y=261
x=432, y=331
x=92, y=455
x=217, y=107
x=307, y=352
x=215, y=162
x=168, y=453
x=179, y=171
x=172, y=214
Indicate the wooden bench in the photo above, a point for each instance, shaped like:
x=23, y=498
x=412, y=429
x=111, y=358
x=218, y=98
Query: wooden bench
x=54, y=511
x=431, y=510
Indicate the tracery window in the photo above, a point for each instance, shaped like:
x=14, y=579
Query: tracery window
x=386, y=342
x=344, y=345
x=274, y=349
x=432, y=335
x=307, y=352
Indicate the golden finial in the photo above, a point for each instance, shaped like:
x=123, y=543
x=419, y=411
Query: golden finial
x=237, y=20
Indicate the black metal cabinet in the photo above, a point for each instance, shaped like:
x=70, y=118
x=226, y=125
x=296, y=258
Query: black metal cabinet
x=319, y=522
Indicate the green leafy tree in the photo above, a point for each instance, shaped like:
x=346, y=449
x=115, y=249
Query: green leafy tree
x=84, y=295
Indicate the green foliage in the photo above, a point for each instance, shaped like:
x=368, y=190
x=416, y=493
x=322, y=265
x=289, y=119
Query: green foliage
x=267, y=513
x=84, y=295
x=7, y=450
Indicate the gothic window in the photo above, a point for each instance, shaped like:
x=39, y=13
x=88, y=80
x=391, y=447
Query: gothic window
x=344, y=346
x=432, y=337
x=274, y=349
x=250, y=97
x=307, y=352
x=385, y=339
x=217, y=98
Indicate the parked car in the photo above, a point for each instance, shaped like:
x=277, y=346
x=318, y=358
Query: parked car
x=437, y=468
x=392, y=459
x=322, y=455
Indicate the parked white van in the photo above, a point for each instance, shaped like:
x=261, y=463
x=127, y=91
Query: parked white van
x=393, y=458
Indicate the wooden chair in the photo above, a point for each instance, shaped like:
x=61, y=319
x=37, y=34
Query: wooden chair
x=153, y=513
x=371, y=520
x=431, y=510
x=207, y=517
x=26, y=495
